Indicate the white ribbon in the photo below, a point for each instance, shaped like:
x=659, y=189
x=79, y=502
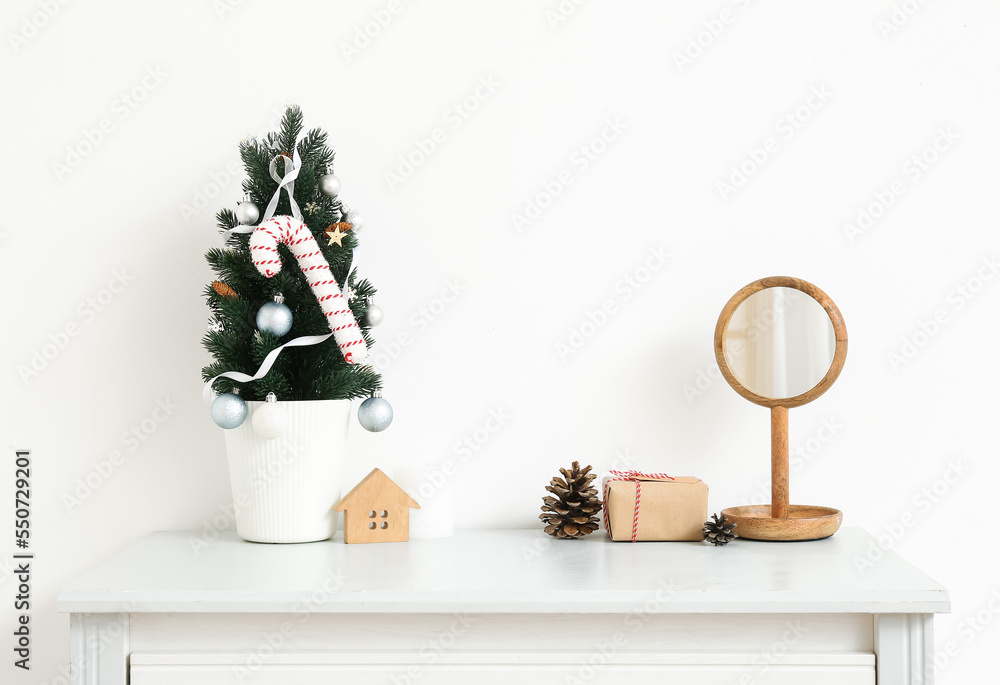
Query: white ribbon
x=287, y=182
x=272, y=356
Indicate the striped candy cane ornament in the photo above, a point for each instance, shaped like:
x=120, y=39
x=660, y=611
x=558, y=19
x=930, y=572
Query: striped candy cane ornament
x=299, y=239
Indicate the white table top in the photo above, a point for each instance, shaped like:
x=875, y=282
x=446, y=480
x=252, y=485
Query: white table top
x=503, y=571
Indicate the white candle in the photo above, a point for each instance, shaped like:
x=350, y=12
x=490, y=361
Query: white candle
x=431, y=486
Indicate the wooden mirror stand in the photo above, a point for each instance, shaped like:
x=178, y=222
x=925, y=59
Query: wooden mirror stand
x=781, y=520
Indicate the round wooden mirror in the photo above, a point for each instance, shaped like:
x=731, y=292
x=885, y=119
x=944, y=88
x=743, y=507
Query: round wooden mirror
x=781, y=342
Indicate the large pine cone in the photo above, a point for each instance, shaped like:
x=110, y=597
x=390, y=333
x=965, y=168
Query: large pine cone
x=572, y=513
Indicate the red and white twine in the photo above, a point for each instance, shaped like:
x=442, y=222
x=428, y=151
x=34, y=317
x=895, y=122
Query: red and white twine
x=637, y=477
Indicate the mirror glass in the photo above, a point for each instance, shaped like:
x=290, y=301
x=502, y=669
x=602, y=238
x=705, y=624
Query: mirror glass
x=780, y=343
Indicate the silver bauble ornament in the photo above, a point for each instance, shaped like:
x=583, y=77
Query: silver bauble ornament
x=270, y=420
x=229, y=411
x=375, y=413
x=275, y=317
x=356, y=220
x=329, y=185
x=373, y=317
x=247, y=212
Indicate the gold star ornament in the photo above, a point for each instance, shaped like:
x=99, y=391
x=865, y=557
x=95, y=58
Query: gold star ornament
x=336, y=232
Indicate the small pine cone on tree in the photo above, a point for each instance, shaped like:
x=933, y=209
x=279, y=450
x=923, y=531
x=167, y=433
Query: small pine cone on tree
x=224, y=290
x=573, y=511
x=719, y=531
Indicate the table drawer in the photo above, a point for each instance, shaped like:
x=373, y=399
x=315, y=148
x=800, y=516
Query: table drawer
x=380, y=668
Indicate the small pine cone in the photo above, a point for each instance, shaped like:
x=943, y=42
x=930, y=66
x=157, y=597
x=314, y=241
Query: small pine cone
x=573, y=510
x=718, y=531
x=224, y=290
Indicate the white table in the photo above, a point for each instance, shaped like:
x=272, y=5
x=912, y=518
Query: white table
x=498, y=607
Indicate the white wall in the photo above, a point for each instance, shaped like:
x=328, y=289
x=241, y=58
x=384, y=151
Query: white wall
x=211, y=79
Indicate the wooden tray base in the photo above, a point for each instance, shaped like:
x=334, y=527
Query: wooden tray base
x=804, y=522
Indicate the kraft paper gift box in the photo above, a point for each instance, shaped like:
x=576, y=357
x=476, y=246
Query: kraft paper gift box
x=669, y=510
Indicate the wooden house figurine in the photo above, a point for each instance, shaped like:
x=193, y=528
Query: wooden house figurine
x=376, y=510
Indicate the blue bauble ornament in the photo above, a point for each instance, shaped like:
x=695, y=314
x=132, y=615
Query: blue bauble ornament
x=275, y=317
x=229, y=411
x=375, y=413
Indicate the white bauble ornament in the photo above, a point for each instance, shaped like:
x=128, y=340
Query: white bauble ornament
x=247, y=212
x=329, y=185
x=270, y=420
x=356, y=220
x=373, y=317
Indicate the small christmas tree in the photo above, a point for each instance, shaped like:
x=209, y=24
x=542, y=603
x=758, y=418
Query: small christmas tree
x=312, y=372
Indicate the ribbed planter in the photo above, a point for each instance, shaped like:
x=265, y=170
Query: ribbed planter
x=283, y=489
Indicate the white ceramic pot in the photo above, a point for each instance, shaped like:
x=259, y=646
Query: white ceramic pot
x=283, y=489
